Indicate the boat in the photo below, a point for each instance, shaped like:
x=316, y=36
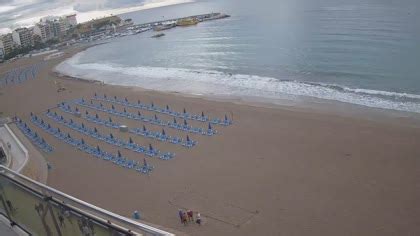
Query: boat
x=158, y=35
x=164, y=27
x=187, y=22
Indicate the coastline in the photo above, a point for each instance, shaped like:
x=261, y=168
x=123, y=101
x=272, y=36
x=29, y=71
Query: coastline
x=278, y=170
x=293, y=103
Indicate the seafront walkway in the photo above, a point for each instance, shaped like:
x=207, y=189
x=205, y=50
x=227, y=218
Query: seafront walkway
x=17, y=154
x=22, y=156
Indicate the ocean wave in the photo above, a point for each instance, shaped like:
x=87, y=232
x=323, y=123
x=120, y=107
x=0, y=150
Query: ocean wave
x=207, y=82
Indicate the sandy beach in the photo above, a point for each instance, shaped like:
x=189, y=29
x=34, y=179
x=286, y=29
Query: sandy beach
x=275, y=171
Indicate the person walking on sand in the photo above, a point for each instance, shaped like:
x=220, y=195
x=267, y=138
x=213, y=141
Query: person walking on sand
x=180, y=213
x=198, y=220
x=190, y=215
x=184, y=218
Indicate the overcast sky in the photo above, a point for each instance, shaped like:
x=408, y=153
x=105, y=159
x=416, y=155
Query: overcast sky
x=16, y=13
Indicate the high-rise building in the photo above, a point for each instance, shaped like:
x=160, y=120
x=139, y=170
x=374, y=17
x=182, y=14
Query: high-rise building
x=56, y=24
x=43, y=30
x=6, y=43
x=71, y=21
x=59, y=27
x=22, y=37
x=2, y=54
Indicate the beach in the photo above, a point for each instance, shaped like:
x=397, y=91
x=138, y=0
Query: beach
x=278, y=170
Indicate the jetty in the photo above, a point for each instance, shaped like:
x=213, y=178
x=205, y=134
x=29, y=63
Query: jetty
x=162, y=23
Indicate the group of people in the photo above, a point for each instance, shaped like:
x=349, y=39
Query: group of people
x=188, y=217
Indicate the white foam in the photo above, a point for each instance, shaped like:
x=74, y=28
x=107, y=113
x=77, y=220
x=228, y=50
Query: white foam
x=208, y=82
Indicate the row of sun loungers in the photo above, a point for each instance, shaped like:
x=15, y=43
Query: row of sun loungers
x=160, y=136
x=34, y=137
x=110, y=139
x=94, y=119
x=163, y=137
x=167, y=110
x=20, y=75
x=117, y=159
x=152, y=120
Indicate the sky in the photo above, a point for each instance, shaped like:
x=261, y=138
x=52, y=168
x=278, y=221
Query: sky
x=18, y=13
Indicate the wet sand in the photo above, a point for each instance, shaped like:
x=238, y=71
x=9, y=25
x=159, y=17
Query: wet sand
x=276, y=171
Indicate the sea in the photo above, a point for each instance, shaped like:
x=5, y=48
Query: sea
x=363, y=52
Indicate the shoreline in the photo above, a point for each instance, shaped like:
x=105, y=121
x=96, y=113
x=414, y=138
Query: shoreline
x=276, y=170
x=296, y=103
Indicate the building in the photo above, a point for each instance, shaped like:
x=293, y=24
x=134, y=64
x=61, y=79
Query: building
x=56, y=24
x=43, y=30
x=58, y=27
x=71, y=21
x=6, y=43
x=22, y=37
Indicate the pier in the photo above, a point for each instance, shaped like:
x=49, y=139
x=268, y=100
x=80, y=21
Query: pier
x=199, y=18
